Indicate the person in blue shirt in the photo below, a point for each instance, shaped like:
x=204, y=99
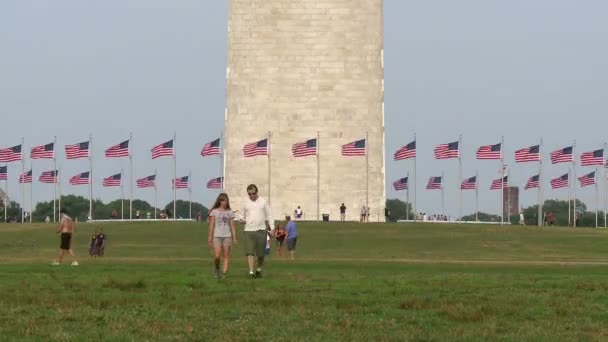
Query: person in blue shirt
x=292, y=237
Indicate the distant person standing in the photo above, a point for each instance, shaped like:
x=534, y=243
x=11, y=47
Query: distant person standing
x=292, y=237
x=521, y=219
x=66, y=228
x=544, y=219
x=222, y=233
x=258, y=221
x=366, y=214
x=363, y=213
x=342, y=212
x=551, y=218
x=137, y=215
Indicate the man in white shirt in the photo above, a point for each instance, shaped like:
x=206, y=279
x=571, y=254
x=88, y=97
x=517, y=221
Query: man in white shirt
x=258, y=221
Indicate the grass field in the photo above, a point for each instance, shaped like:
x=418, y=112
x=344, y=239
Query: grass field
x=357, y=282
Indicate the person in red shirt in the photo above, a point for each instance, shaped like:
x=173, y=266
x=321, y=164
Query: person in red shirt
x=551, y=219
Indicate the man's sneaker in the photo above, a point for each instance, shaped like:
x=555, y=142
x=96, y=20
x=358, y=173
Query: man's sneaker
x=251, y=275
x=55, y=263
x=258, y=273
x=75, y=263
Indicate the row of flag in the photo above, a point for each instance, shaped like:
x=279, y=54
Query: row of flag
x=83, y=178
x=494, y=152
x=435, y=183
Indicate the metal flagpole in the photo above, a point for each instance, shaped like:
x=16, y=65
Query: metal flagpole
x=366, y=171
x=190, y=193
x=155, y=198
x=597, y=197
x=502, y=179
x=605, y=167
x=58, y=191
x=459, y=176
x=574, y=213
x=130, y=176
x=415, y=179
x=56, y=175
x=318, y=177
x=31, y=191
x=23, y=183
x=407, y=207
x=477, y=196
x=91, y=177
x=569, y=194
x=6, y=194
x=122, y=198
x=174, y=176
x=442, y=193
x=222, y=161
x=540, y=184
x=269, y=171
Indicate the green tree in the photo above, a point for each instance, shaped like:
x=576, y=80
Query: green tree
x=183, y=209
x=13, y=212
x=481, y=216
x=399, y=210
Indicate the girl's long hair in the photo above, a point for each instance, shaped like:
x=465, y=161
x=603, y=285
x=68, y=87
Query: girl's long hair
x=221, y=197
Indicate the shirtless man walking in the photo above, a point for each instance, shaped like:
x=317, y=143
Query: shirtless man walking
x=66, y=228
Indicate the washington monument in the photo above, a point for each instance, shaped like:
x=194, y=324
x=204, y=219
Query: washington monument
x=300, y=70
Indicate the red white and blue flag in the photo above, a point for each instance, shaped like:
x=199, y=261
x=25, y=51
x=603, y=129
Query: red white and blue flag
x=3, y=172
x=447, y=151
x=469, y=183
x=80, y=179
x=25, y=177
x=76, y=151
x=500, y=183
x=181, y=183
x=113, y=180
x=146, y=182
x=564, y=155
x=355, y=148
x=533, y=182
x=43, y=151
x=10, y=154
x=592, y=158
x=118, y=151
x=560, y=182
x=163, y=150
x=529, y=154
x=400, y=184
x=304, y=149
x=258, y=148
x=49, y=177
x=434, y=183
x=215, y=183
x=406, y=152
x=490, y=152
x=211, y=148
x=588, y=179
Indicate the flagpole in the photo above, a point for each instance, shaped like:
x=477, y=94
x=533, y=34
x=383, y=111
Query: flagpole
x=130, y=176
x=574, y=181
x=477, y=196
x=569, y=194
x=407, y=207
x=459, y=175
x=502, y=179
x=56, y=175
x=269, y=166
x=91, y=177
x=58, y=192
x=540, y=184
x=605, y=167
x=318, y=177
x=23, y=183
x=174, y=175
x=31, y=191
x=190, y=193
x=442, y=192
x=367, y=172
x=6, y=194
x=221, y=160
x=155, y=197
x=597, y=196
x=122, y=198
x=415, y=179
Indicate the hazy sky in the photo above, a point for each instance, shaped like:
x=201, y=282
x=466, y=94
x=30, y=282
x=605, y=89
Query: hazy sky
x=523, y=69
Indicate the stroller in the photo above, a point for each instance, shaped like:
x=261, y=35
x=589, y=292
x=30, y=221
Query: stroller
x=98, y=244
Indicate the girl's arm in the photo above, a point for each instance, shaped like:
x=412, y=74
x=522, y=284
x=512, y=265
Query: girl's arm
x=211, y=229
x=233, y=228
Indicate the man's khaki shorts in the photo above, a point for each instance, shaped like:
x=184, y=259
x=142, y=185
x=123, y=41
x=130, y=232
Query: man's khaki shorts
x=222, y=242
x=255, y=243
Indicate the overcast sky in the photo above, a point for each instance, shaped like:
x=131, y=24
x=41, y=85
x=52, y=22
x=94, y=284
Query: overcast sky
x=523, y=69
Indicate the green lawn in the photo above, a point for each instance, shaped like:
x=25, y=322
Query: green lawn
x=358, y=282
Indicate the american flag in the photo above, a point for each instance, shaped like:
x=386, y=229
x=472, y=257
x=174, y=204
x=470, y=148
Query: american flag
x=562, y=156
x=592, y=158
x=215, y=183
x=80, y=150
x=10, y=154
x=113, y=180
x=49, y=177
x=469, y=184
x=447, y=151
x=434, y=183
x=43, y=151
x=258, y=148
x=500, y=183
x=3, y=172
x=119, y=150
x=355, y=148
x=304, y=149
x=25, y=177
x=163, y=150
x=80, y=179
x=588, y=179
x=400, y=184
x=533, y=182
x=489, y=152
x=529, y=154
x=560, y=182
x=211, y=148
x=181, y=183
x=406, y=152
x=146, y=182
